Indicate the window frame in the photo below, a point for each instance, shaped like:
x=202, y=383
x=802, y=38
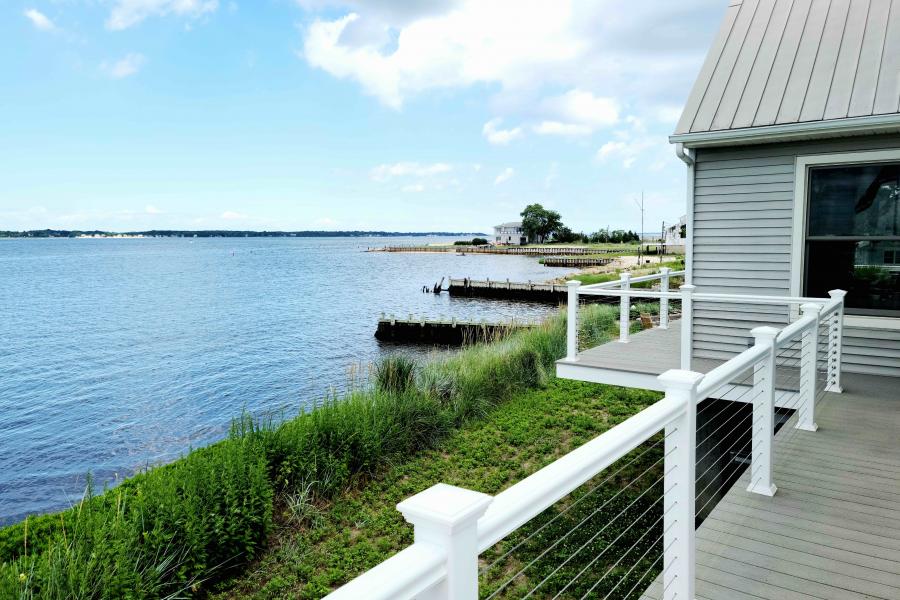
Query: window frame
x=802, y=166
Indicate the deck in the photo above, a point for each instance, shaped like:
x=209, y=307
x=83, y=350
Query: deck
x=650, y=353
x=832, y=531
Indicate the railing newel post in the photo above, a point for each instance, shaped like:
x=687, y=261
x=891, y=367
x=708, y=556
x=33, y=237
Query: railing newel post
x=447, y=516
x=762, y=428
x=664, y=302
x=572, y=320
x=835, y=349
x=679, y=487
x=687, y=324
x=624, y=308
x=806, y=419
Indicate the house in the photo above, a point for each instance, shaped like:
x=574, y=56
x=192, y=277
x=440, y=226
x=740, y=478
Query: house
x=778, y=356
x=511, y=233
x=674, y=236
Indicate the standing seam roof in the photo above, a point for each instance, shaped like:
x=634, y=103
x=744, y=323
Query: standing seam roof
x=798, y=61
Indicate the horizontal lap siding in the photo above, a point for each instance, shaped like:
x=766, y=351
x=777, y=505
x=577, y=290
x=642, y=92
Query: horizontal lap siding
x=743, y=221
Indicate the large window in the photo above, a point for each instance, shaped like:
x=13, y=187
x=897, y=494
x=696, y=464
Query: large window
x=853, y=236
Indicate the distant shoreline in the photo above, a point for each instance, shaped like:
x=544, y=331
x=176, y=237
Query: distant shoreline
x=220, y=233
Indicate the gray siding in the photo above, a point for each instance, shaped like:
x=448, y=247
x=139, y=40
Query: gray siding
x=743, y=213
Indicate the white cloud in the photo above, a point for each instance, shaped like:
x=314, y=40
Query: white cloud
x=594, y=48
x=552, y=175
x=230, y=215
x=152, y=210
x=127, y=13
x=325, y=222
x=629, y=150
x=414, y=188
x=495, y=135
x=124, y=67
x=560, y=128
x=584, y=108
x=386, y=172
x=39, y=20
x=504, y=176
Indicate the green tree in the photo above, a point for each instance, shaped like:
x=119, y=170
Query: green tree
x=539, y=223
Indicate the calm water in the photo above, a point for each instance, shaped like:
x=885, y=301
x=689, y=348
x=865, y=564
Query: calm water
x=119, y=353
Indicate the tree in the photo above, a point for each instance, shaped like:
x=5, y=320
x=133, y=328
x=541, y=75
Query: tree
x=539, y=223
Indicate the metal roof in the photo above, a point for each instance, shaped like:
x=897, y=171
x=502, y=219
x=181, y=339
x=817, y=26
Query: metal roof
x=803, y=63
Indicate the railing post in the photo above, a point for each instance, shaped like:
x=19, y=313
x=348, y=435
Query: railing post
x=687, y=324
x=664, y=302
x=835, y=339
x=624, y=308
x=763, y=427
x=447, y=516
x=572, y=321
x=679, y=487
x=808, y=359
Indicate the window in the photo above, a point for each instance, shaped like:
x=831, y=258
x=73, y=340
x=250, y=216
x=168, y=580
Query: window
x=853, y=236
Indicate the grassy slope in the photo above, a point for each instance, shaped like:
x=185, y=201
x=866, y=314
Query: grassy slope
x=361, y=527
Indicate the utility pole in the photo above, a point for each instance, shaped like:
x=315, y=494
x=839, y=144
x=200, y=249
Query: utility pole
x=641, y=232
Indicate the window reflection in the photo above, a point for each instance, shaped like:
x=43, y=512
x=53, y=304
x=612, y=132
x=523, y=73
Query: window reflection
x=853, y=238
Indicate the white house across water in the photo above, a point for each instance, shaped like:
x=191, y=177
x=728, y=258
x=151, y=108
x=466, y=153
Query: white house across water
x=787, y=316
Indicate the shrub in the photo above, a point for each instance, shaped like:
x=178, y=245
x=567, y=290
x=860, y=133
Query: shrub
x=479, y=241
x=394, y=374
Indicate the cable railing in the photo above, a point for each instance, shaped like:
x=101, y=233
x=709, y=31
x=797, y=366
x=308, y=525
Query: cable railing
x=609, y=537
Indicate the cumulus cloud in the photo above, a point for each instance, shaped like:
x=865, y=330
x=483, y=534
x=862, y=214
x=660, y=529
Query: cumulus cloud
x=39, y=20
x=495, y=135
x=386, y=172
x=127, y=13
x=560, y=128
x=124, y=67
x=596, y=49
x=630, y=150
x=504, y=176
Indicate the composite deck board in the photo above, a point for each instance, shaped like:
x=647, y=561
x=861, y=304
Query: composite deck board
x=833, y=529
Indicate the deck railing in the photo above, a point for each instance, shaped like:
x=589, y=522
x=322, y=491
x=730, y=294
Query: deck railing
x=453, y=526
x=687, y=296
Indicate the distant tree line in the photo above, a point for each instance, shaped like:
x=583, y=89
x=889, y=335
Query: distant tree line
x=543, y=225
x=65, y=233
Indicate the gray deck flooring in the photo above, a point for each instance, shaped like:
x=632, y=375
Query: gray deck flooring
x=655, y=351
x=832, y=531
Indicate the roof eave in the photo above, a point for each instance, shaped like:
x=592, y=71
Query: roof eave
x=790, y=131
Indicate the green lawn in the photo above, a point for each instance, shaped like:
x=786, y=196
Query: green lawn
x=340, y=539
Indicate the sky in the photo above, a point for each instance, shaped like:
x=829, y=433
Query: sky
x=409, y=115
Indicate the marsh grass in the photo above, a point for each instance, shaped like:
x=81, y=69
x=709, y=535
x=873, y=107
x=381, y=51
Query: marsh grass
x=178, y=528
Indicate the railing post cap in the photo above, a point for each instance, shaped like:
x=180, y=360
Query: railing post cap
x=444, y=505
x=680, y=379
x=813, y=307
x=687, y=287
x=837, y=293
x=665, y=270
x=571, y=283
x=625, y=275
x=765, y=332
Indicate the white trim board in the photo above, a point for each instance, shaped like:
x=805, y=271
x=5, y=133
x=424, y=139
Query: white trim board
x=798, y=235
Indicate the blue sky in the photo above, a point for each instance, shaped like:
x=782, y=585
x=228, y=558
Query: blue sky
x=343, y=114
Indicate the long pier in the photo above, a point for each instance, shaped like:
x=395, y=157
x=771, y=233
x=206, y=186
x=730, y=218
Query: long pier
x=510, y=250
x=575, y=261
x=442, y=331
x=508, y=290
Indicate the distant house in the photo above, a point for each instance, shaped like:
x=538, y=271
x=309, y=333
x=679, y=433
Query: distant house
x=510, y=234
x=674, y=235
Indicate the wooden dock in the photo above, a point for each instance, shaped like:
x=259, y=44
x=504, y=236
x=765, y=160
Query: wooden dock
x=574, y=261
x=832, y=531
x=509, y=250
x=442, y=331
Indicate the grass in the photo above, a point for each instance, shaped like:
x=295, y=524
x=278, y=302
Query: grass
x=361, y=527
x=591, y=278
x=175, y=530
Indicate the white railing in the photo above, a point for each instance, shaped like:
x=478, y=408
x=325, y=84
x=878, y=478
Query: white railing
x=687, y=296
x=453, y=526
